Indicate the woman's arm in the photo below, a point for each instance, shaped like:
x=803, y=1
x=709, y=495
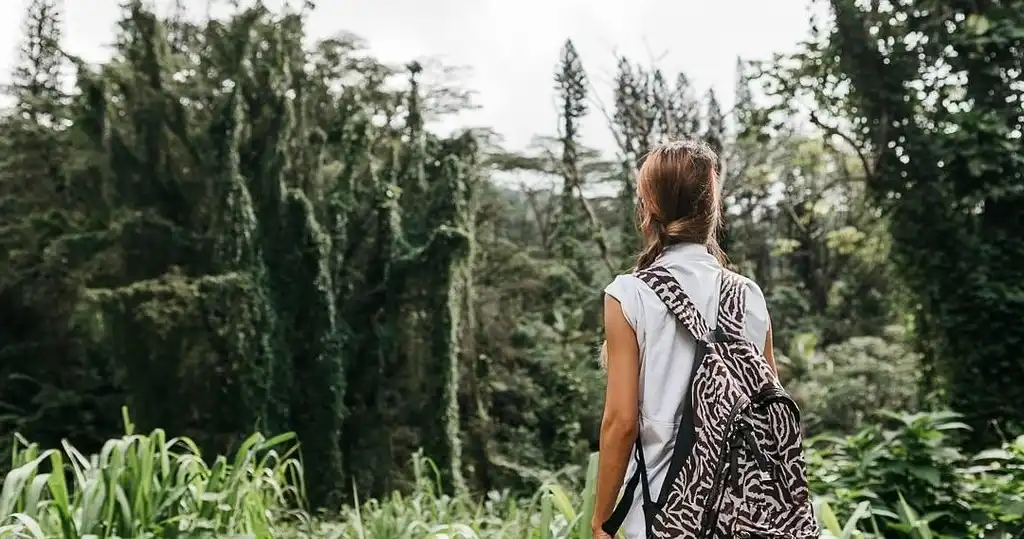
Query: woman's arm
x=769, y=353
x=620, y=423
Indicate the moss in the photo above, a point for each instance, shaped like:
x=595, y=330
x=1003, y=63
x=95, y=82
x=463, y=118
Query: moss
x=183, y=348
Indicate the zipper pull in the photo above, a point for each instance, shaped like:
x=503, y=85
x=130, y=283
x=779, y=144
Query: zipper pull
x=747, y=432
x=734, y=466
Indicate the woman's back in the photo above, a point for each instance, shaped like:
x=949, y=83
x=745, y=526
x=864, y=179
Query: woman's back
x=667, y=352
x=649, y=355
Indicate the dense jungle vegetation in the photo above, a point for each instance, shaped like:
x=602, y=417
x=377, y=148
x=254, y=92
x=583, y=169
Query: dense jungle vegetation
x=222, y=231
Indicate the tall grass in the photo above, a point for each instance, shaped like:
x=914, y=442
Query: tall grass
x=427, y=513
x=146, y=486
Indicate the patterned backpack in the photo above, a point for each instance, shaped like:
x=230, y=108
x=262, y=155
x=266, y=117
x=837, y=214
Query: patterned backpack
x=737, y=467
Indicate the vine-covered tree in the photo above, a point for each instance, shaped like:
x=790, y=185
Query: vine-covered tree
x=933, y=111
x=241, y=236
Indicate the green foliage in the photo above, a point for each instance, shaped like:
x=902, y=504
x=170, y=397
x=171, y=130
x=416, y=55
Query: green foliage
x=905, y=453
x=234, y=234
x=898, y=479
x=928, y=97
x=905, y=477
x=820, y=251
x=231, y=229
x=427, y=513
x=995, y=486
x=540, y=374
x=189, y=362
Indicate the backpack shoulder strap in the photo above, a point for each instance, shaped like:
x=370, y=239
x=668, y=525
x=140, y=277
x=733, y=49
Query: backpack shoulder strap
x=675, y=299
x=732, y=305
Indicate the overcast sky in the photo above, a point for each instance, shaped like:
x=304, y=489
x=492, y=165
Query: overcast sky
x=511, y=46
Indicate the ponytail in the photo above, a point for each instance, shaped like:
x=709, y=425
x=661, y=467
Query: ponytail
x=686, y=230
x=656, y=238
x=678, y=200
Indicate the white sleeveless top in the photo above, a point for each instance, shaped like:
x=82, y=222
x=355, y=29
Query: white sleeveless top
x=667, y=352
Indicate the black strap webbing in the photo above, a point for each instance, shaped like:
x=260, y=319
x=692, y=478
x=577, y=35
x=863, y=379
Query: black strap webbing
x=618, y=516
x=686, y=433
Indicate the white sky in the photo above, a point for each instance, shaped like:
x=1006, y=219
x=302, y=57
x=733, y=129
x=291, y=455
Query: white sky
x=511, y=46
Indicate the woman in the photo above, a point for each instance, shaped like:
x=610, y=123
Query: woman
x=648, y=355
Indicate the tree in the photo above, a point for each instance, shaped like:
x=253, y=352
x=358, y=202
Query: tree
x=570, y=229
x=37, y=79
x=34, y=130
x=714, y=132
x=236, y=224
x=928, y=96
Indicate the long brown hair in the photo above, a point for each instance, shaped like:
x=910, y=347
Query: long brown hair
x=678, y=199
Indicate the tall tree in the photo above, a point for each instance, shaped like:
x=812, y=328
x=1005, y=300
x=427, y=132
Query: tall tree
x=34, y=149
x=571, y=230
x=37, y=78
x=929, y=95
x=714, y=131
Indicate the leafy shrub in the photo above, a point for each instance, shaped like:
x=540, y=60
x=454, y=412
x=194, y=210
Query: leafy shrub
x=878, y=480
x=994, y=483
x=838, y=388
x=909, y=455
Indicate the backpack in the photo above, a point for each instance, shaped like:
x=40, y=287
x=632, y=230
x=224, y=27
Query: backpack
x=737, y=467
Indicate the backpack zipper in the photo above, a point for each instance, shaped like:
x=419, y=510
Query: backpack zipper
x=711, y=508
x=714, y=502
x=768, y=396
